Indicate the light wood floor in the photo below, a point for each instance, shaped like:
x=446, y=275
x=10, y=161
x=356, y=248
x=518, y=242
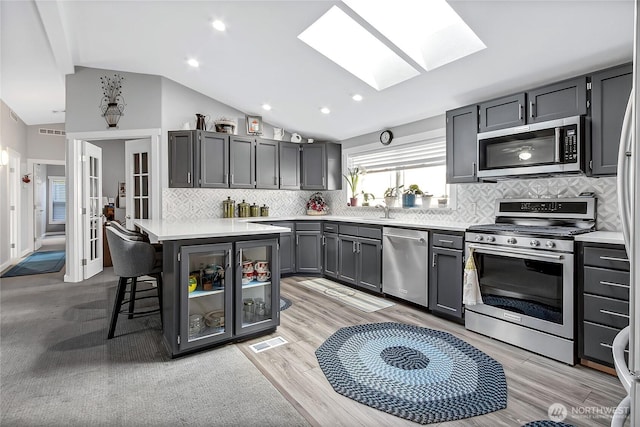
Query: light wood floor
x=534, y=382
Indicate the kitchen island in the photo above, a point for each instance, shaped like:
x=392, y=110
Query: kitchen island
x=221, y=280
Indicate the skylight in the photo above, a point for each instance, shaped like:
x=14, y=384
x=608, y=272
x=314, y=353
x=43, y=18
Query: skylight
x=341, y=39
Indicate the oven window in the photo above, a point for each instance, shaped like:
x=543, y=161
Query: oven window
x=511, y=151
x=523, y=286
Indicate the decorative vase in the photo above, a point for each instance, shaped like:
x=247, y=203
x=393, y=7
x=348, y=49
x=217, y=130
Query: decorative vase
x=112, y=114
x=390, y=201
x=408, y=200
x=353, y=201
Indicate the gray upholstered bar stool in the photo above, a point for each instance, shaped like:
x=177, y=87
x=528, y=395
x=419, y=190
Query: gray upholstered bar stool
x=132, y=258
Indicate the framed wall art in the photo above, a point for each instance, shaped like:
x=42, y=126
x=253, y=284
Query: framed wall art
x=254, y=125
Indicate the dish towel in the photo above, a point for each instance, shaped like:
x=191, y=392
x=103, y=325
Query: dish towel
x=471, y=290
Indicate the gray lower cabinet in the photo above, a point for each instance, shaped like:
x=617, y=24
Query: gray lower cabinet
x=289, y=154
x=462, y=132
x=330, y=244
x=445, y=278
x=360, y=256
x=610, y=91
x=242, y=162
x=308, y=247
x=287, y=247
x=603, y=308
x=267, y=164
x=204, y=296
x=321, y=166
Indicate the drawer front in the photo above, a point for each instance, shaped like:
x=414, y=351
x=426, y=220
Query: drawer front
x=370, y=232
x=597, y=342
x=330, y=227
x=307, y=226
x=606, y=283
x=606, y=311
x=349, y=230
x=447, y=241
x=607, y=258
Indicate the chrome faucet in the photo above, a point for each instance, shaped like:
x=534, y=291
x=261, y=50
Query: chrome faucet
x=386, y=210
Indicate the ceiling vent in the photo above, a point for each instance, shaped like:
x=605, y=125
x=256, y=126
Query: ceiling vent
x=13, y=115
x=52, y=132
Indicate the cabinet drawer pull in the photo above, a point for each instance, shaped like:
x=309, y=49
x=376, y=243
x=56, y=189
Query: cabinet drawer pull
x=617, y=285
x=445, y=241
x=188, y=177
x=446, y=307
x=531, y=106
x=433, y=260
x=613, y=313
x=519, y=111
x=612, y=258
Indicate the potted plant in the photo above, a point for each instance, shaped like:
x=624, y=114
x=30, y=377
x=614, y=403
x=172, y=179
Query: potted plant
x=353, y=177
x=391, y=195
x=443, y=200
x=367, y=197
x=409, y=196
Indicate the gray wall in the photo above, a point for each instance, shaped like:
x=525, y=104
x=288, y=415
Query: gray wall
x=53, y=170
x=141, y=92
x=424, y=125
x=13, y=135
x=112, y=165
x=45, y=147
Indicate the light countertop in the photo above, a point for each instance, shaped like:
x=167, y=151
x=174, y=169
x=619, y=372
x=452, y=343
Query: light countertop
x=612, y=237
x=392, y=222
x=161, y=230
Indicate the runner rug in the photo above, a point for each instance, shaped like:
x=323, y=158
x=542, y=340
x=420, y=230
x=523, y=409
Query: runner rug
x=38, y=263
x=423, y=375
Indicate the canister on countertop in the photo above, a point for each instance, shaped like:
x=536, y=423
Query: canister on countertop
x=264, y=210
x=254, y=210
x=243, y=209
x=229, y=208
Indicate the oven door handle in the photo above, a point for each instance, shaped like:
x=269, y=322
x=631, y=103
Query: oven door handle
x=498, y=251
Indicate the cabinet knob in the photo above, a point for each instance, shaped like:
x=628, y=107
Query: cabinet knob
x=512, y=241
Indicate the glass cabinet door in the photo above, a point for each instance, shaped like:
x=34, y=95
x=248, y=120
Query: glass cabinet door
x=257, y=286
x=205, y=294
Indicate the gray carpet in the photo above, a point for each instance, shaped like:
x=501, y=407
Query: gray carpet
x=58, y=369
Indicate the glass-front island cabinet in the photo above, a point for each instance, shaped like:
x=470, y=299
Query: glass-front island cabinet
x=220, y=287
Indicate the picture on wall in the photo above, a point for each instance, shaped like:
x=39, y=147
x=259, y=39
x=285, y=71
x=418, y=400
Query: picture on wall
x=254, y=125
x=122, y=194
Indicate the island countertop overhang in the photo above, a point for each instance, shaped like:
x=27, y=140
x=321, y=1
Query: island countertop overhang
x=163, y=230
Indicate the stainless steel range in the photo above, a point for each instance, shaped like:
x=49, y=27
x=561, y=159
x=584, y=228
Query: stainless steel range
x=525, y=267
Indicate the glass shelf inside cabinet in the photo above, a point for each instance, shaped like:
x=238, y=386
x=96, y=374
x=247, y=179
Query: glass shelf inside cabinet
x=196, y=294
x=254, y=283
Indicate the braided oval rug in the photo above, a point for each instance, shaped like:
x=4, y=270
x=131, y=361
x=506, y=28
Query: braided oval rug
x=420, y=374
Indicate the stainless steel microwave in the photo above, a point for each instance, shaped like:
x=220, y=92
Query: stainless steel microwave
x=552, y=147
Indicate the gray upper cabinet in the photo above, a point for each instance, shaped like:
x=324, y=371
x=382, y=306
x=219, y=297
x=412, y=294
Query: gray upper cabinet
x=610, y=91
x=322, y=166
x=214, y=160
x=462, y=131
x=267, y=161
x=181, y=159
x=564, y=99
x=289, y=166
x=502, y=113
x=242, y=161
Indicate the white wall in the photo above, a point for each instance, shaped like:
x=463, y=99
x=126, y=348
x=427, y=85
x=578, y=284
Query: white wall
x=113, y=165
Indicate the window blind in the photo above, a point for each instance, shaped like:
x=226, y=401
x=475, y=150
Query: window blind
x=408, y=156
x=58, y=199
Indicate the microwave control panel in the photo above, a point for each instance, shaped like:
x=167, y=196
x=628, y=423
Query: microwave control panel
x=570, y=145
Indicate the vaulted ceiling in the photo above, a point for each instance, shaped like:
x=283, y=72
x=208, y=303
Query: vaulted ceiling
x=259, y=58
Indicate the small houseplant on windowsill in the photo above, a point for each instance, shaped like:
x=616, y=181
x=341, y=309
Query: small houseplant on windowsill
x=409, y=196
x=367, y=197
x=353, y=177
x=443, y=201
x=391, y=195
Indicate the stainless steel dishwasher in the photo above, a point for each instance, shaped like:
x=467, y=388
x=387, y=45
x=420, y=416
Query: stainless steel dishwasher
x=405, y=264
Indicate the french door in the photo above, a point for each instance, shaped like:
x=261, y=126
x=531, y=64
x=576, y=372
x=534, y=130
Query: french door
x=92, y=209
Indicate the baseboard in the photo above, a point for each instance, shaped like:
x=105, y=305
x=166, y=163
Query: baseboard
x=25, y=253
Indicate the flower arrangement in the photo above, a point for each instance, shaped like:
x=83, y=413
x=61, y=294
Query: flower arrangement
x=316, y=205
x=112, y=102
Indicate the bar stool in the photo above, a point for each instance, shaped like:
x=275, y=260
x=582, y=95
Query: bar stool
x=132, y=259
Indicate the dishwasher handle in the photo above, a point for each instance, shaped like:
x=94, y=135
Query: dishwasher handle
x=418, y=239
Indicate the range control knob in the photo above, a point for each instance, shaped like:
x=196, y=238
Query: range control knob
x=550, y=244
x=479, y=238
x=534, y=243
x=512, y=241
x=491, y=239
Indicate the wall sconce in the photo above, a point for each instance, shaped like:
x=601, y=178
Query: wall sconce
x=112, y=102
x=4, y=158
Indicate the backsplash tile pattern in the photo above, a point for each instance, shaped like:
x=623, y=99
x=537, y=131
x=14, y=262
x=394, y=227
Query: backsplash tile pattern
x=475, y=202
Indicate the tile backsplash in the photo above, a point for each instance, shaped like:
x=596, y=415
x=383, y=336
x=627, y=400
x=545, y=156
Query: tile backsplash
x=475, y=203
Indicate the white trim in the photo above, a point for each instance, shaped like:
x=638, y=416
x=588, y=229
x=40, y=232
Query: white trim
x=50, y=180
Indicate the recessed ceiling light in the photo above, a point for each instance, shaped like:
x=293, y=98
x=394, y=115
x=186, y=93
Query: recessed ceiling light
x=429, y=32
x=325, y=110
x=219, y=25
x=266, y=107
x=357, y=97
x=344, y=41
x=193, y=62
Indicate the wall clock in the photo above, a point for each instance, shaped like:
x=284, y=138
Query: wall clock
x=386, y=137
